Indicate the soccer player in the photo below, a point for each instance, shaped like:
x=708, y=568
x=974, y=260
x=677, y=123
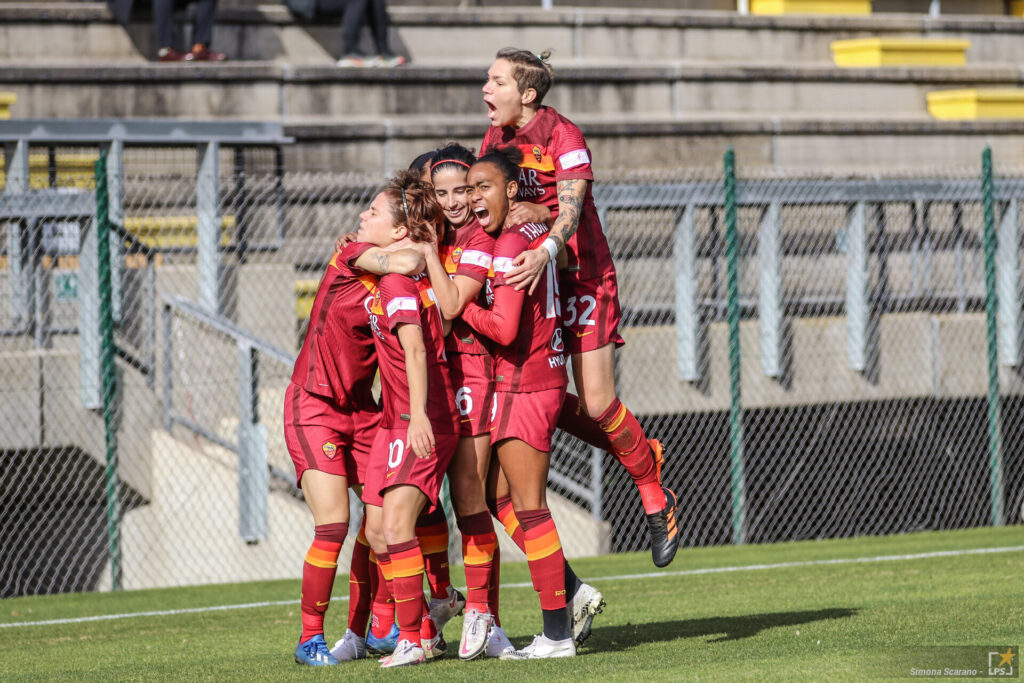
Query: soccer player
x=419, y=426
x=330, y=418
x=555, y=177
x=530, y=385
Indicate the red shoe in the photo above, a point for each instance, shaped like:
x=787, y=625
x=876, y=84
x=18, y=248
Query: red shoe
x=202, y=53
x=169, y=54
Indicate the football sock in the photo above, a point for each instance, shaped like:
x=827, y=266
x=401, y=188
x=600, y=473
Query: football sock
x=493, y=592
x=407, y=585
x=478, y=544
x=383, y=606
x=432, y=532
x=556, y=623
x=318, y=576
x=507, y=516
x=573, y=420
x=572, y=582
x=630, y=447
x=427, y=627
x=359, y=596
x=545, y=558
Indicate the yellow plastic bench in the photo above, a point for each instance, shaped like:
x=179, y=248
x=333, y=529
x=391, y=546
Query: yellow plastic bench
x=810, y=6
x=305, y=292
x=7, y=99
x=973, y=104
x=899, y=52
x=169, y=232
x=1017, y=8
x=72, y=170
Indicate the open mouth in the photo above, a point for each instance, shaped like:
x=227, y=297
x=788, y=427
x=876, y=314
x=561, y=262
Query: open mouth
x=482, y=215
x=491, y=110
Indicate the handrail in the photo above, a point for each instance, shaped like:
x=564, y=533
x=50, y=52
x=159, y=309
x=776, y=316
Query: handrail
x=229, y=328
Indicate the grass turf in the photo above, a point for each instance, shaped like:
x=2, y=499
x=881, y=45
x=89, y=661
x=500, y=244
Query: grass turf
x=822, y=621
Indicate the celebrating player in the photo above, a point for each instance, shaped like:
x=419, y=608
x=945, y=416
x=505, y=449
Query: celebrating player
x=556, y=174
x=417, y=435
x=330, y=418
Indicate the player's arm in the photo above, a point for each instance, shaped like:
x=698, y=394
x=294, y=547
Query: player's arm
x=420, y=434
x=452, y=293
x=528, y=212
x=530, y=264
x=501, y=322
x=405, y=261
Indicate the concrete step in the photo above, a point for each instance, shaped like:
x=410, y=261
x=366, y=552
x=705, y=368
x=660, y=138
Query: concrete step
x=76, y=31
x=269, y=91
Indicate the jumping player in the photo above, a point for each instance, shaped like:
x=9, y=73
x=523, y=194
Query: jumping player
x=530, y=384
x=556, y=176
x=330, y=418
x=417, y=436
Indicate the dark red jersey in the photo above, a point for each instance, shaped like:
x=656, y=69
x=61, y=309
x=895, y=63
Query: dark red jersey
x=337, y=359
x=410, y=300
x=530, y=355
x=554, y=149
x=468, y=251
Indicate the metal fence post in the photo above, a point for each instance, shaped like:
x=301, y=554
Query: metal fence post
x=89, y=320
x=253, y=475
x=995, y=436
x=208, y=226
x=115, y=194
x=17, y=174
x=769, y=303
x=1008, y=285
x=733, y=314
x=857, y=314
x=684, y=253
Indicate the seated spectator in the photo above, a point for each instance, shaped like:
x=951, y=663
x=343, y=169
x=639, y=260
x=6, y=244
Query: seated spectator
x=163, y=20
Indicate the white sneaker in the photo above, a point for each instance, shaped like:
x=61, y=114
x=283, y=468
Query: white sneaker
x=443, y=609
x=543, y=648
x=349, y=647
x=475, y=628
x=497, y=642
x=435, y=648
x=586, y=603
x=406, y=653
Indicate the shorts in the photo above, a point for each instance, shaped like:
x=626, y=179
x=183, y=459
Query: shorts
x=473, y=380
x=590, y=312
x=529, y=417
x=392, y=463
x=321, y=436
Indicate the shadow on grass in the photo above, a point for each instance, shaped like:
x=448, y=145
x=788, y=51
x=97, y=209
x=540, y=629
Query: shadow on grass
x=605, y=638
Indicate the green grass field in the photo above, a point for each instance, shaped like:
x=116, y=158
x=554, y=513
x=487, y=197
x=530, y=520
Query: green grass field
x=699, y=619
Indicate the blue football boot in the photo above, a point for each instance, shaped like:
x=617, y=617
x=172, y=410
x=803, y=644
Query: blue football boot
x=314, y=652
x=382, y=646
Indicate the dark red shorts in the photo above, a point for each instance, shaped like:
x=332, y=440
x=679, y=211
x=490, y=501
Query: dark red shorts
x=473, y=381
x=591, y=313
x=529, y=417
x=393, y=463
x=320, y=436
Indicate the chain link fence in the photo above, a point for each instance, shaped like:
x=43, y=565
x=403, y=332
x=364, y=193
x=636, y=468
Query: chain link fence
x=812, y=351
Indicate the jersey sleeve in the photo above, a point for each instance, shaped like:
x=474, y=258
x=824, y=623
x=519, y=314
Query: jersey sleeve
x=570, y=153
x=510, y=245
x=400, y=299
x=346, y=258
x=476, y=259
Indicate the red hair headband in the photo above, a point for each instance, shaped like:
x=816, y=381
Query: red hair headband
x=448, y=161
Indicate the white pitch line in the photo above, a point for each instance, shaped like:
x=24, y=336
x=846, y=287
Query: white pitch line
x=620, y=577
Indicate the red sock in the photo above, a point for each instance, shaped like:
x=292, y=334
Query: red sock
x=507, y=516
x=631, y=448
x=383, y=606
x=359, y=584
x=573, y=420
x=545, y=557
x=478, y=543
x=407, y=570
x=427, y=627
x=493, y=592
x=318, y=576
x=432, y=532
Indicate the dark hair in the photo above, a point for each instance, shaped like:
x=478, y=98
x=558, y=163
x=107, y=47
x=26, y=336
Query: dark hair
x=506, y=159
x=422, y=160
x=413, y=204
x=452, y=155
x=530, y=70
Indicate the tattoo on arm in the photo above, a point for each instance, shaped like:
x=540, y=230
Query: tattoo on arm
x=383, y=261
x=570, y=206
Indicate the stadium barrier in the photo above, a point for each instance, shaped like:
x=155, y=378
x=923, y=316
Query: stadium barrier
x=824, y=355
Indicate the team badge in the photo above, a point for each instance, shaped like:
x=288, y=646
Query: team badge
x=538, y=154
x=330, y=449
x=457, y=255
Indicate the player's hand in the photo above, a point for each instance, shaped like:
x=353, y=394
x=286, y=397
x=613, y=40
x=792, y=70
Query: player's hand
x=529, y=266
x=345, y=239
x=527, y=212
x=421, y=436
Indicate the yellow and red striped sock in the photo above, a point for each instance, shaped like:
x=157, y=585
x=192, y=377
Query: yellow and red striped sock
x=432, y=532
x=507, y=516
x=318, y=573
x=359, y=595
x=544, y=556
x=407, y=584
x=630, y=447
x=478, y=544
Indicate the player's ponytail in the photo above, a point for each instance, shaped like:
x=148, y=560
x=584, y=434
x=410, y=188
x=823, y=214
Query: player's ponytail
x=505, y=159
x=413, y=204
x=530, y=70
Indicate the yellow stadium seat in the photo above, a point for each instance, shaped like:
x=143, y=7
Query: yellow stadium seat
x=972, y=104
x=899, y=52
x=166, y=232
x=305, y=292
x=810, y=6
x=6, y=100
